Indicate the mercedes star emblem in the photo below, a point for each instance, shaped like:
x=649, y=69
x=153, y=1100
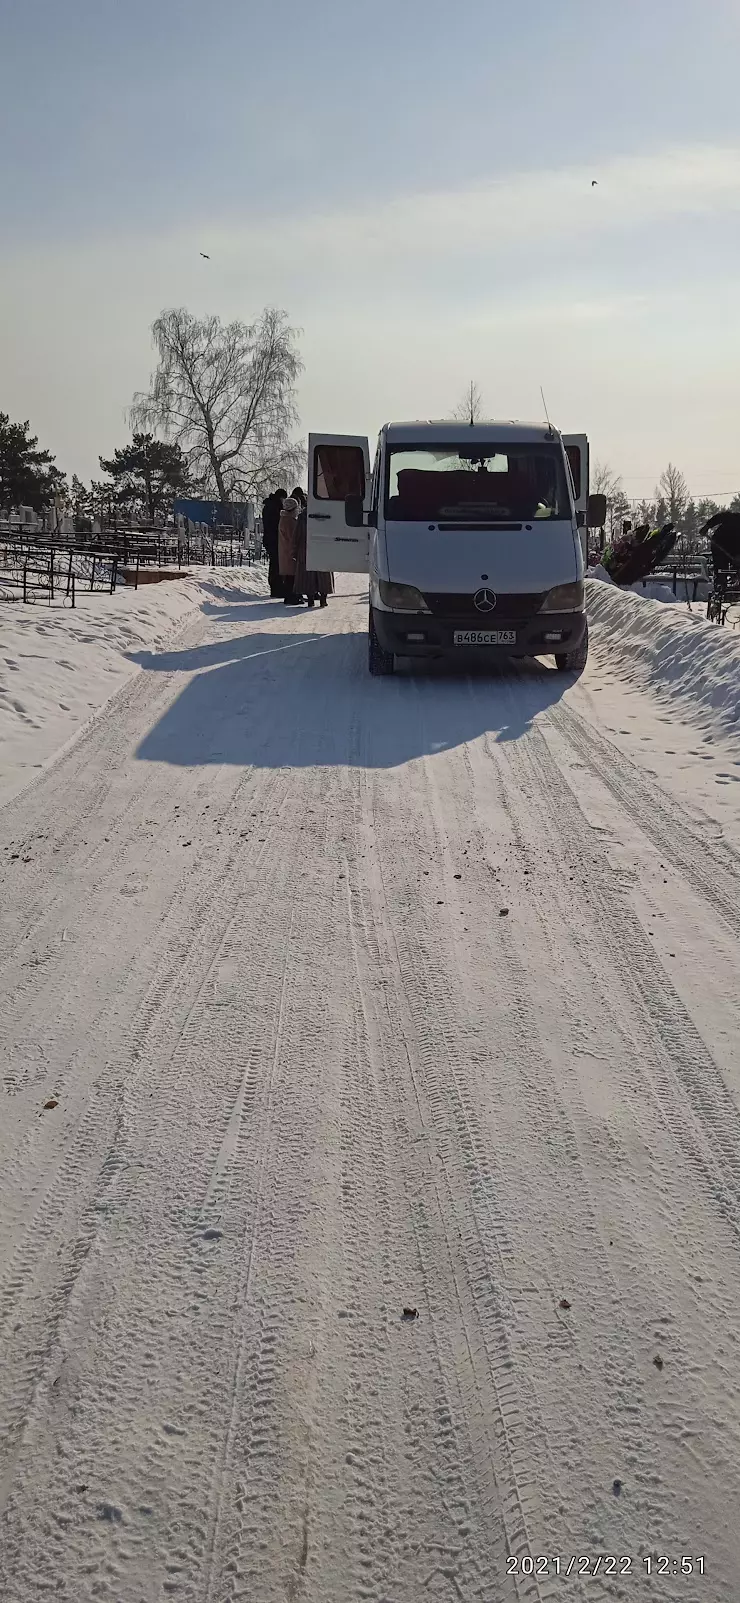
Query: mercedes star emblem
x=484, y=600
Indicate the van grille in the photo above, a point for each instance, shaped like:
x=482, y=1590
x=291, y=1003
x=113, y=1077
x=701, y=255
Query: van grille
x=462, y=608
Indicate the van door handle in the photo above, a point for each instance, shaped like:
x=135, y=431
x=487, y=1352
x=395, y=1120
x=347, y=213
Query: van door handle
x=324, y=516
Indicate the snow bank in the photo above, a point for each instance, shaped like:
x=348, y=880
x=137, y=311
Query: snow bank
x=652, y=590
x=667, y=649
x=687, y=590
x=59, y=666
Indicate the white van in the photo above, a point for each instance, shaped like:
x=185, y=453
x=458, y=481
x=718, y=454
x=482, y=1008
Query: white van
x=472, y=535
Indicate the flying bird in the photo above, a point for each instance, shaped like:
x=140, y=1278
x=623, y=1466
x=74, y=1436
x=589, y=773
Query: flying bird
x=205, y=258
x=594, y=183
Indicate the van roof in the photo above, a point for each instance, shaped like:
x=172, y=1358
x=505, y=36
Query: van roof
x=439, y=431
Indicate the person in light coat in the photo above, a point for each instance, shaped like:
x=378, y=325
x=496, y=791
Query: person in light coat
x=287, y=539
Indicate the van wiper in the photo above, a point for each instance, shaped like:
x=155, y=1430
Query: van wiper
x=465, y=524
x=473, y=509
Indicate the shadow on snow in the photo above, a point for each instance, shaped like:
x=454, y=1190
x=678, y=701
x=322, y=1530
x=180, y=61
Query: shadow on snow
x=282, y=700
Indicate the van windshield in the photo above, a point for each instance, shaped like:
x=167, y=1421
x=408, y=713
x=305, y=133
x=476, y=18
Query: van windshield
x=479, y=483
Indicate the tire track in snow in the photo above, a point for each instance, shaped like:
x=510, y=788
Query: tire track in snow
x=263, y=1448
x=256, y=1180
x=510, y=1433
x=192, y=922
x=513, y=793
x=66, y=1204
x=710, y=867
x=383, y=1180
x=559, y=1120
x=93, y=768
x=612, y=945
x=199, y=1486
x=69, y=1206
x=125, y=822
x=175, y=1068
x=174, y=1074
x=361, y=1156
x=473, y=1551
x=367, y=1278
x=258, y=1454
x=518, y=1040
x=688, y=1080
x=101, y=748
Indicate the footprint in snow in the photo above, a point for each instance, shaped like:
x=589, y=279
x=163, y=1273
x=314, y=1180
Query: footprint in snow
x=110, y=1512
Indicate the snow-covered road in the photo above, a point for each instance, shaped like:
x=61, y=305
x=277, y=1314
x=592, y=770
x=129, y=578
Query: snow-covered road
x=353, y=996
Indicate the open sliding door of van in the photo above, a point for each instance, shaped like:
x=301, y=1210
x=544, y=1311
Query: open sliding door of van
x=338, y=466
x=576, y=447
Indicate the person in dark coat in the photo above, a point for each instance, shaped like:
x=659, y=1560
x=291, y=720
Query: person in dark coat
x=270, y=522
x=724, y=528
x=309, y=582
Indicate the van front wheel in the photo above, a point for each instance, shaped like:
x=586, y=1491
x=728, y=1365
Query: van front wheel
x=379, y=662
x=573, y=661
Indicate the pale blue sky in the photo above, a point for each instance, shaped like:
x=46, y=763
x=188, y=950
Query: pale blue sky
x=412, y=181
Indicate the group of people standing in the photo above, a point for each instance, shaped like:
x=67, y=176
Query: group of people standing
x=284, y=534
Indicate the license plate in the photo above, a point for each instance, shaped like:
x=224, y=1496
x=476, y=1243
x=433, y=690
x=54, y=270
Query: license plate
x=484, y=637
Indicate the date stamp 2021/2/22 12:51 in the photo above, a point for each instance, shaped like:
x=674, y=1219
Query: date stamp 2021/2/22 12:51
x=618, y=1565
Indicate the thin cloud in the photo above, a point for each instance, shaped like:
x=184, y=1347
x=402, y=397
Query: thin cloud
x=533, y=209
x=529, y=279
x=581, y=310
x=533, y=212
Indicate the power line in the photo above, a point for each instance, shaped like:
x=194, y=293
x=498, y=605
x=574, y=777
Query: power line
x=702, y=495
x=653, y=488
x=647, y=478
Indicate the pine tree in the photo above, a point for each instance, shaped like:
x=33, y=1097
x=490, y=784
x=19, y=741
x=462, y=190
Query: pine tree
x=706, y=508
x=690, y=525
x=647, y=512
x=28, y=476
x=81, y=499
x=147, y=475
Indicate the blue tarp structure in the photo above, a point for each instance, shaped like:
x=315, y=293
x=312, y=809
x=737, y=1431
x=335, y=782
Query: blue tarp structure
x=214, y=512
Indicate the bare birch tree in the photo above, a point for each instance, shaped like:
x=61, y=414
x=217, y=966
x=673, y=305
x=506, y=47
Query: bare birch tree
x=470, y=408
x=673, y=492
x=604, y=481
x=225, y=393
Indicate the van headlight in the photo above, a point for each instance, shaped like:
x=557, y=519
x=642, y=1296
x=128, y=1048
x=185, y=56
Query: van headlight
x=401, y=597
x=565, y=598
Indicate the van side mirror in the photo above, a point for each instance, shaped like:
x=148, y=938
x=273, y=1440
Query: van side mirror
x=581, y=519
x=596, y=514
x=354, y=511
